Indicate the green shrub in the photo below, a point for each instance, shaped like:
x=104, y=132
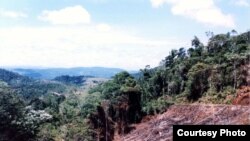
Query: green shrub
x=157, y=106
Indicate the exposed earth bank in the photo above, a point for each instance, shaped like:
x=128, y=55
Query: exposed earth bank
x=159, y=128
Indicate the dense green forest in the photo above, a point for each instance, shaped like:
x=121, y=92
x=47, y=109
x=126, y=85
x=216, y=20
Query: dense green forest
x=52, y=110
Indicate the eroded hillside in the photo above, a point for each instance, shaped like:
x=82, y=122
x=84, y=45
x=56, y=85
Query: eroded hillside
x=159, y=128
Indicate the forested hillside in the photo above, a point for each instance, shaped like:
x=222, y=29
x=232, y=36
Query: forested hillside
x=28, y=88
x=34, y=109
x=64, y=109
x=202, y=74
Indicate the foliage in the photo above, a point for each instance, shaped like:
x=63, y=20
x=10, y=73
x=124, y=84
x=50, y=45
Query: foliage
x=215, y=66
x=120, y=104
x=90, y=104
x=197, y=82
x=156, y=106
x=18, y=122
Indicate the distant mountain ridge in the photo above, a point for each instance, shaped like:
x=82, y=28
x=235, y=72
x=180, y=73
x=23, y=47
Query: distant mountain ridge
x=29, y=88
x=51, y=73
x=13, y=78
x=72, y=80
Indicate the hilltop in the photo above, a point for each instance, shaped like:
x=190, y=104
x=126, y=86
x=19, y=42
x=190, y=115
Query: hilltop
x=51, y=73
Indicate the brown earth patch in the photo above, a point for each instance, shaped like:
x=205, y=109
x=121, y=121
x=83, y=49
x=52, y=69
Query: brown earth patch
x=159, y=128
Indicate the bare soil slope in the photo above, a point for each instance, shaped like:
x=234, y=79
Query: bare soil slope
x=159, y=128
x=243, y=96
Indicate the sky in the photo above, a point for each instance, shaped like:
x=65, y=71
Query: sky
x=128, y=34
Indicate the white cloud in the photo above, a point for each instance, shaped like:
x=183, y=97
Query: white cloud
x=103, y=27
x=67, y=16
x=87, y=44
x=80, y=46
x=157, y=3
x=203, y=11
x=243, y=3
x=12, y=14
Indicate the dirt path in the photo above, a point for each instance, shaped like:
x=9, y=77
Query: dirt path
x=159, y=128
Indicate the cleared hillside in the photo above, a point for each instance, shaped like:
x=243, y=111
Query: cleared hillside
x=159, y=128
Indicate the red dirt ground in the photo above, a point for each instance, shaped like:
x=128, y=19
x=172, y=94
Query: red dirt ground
x=159, y=128
x=243, y=96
